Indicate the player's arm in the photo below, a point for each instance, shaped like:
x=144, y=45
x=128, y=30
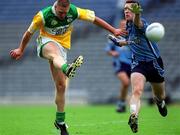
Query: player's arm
x=88, y=15
x=113, y=53
x=117, y=32
x=25, y=39
x=136, y=9
x=111, y=49
x=18, y=52
x=119, y=41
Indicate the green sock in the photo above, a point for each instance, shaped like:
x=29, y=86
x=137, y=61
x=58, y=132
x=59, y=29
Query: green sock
x=60, y=117
x=64, y=67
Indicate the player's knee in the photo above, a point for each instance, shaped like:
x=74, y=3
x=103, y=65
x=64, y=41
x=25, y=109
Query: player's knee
x=53, y=57
x=49, y=56
x=126, y=83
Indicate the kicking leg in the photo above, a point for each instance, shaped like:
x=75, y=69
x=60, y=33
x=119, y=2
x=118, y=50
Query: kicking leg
x=51, y=52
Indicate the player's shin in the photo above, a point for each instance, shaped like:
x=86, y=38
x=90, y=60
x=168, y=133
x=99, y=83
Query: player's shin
x=134, y=106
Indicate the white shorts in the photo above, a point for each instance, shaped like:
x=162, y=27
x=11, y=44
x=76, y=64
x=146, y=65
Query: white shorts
x=42, y=41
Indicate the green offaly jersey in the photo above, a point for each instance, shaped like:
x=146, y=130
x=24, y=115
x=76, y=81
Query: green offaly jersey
x=50, y=26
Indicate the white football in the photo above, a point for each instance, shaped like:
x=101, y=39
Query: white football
x=155, y=32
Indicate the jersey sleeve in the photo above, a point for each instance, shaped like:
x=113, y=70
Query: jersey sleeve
x=145, y=24
x=36, y=22
x=85, y=14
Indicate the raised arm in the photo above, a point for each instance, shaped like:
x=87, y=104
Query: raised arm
x=136, y=9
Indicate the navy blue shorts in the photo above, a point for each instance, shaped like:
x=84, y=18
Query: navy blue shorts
x=123, y=67
x=152, y=70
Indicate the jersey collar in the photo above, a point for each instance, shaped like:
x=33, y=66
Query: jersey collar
x=53, y=9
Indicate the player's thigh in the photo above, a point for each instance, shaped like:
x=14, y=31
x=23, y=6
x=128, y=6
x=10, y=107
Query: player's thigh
x=50, y=50
x=57, y=75
x=123, y=77
x=158, y=88
x=137, y=81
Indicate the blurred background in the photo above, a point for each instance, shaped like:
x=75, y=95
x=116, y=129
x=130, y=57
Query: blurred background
x=29, y=81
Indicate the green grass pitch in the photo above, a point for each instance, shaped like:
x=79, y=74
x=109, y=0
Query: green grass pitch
x=86, y=120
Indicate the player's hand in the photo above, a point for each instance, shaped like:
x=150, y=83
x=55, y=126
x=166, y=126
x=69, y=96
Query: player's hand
x=119, y=41
x=114, y=39
x=115, y=54
x=135, y=8
x=120, y=32
x=16, y=53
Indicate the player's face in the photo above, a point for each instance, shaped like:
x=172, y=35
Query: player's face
x=61, y=11
x=128, y=14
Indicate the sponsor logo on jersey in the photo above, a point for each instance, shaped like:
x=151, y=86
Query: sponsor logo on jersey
x=58, y=30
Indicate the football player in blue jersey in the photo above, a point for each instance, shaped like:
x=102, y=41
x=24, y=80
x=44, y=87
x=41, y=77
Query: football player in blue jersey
x=147, y=64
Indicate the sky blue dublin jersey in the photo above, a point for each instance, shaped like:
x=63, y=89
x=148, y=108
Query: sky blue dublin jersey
x=142, y=48
x=125, y=54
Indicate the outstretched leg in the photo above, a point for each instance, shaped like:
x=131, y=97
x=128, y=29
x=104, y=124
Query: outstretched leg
x=159, y=97
x=55, y=54
x=60, y=70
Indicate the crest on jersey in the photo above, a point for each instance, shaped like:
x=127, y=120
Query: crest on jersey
x=137, y=40
x=54, y=22
x=69, y=18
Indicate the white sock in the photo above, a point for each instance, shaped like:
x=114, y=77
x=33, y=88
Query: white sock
x=133, y=109
x=61, y=123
